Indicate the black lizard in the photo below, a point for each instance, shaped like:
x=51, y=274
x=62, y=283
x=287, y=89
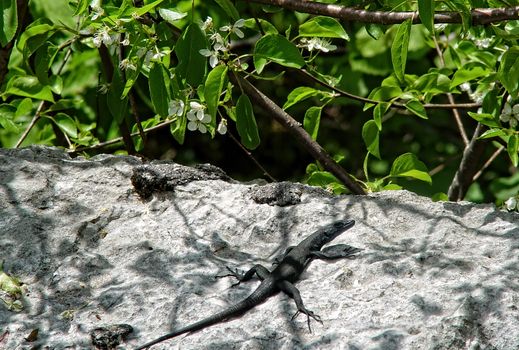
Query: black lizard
x=289, y=267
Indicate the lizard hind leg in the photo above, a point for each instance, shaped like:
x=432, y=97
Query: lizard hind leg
x=258, y=270
x=293, y=292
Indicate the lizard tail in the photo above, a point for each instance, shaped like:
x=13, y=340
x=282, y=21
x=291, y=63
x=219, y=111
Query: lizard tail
x=222, y=316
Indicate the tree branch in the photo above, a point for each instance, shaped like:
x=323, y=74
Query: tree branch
x=468, y=166
x=479, y=15
x=294, y=127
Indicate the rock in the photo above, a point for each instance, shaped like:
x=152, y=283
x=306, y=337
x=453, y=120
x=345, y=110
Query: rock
x=91, y=252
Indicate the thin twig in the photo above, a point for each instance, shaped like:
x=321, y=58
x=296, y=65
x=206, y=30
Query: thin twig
x=265, y=172
x=37, y=114
x=291, y=125
x=455, y=112
x=478, y=15
x=120, y=138
x=394, y=104
x=488, y=162
x=135, y=112
x=35, y=118
x=123, y=125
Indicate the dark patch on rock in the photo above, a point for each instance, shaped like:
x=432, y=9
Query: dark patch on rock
x=148, y=179
x=280, y=193
x=108, y=337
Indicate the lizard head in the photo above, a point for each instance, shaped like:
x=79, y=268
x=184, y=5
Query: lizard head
x=334, y=229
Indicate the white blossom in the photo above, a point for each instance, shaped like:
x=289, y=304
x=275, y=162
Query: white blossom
x=103, y=88
x=511, y=204
x=483, y=43
x=316, y=44
x=196, y=110
x=197, y=117
x=222, y=127
x=213, y=56
x=218, y=42
x=127, y=64
x=97, y=12
x=510, y=114
x=207, y=24
x=466, y=87
x=176, y=108
x=235, y=28
x=103, y=37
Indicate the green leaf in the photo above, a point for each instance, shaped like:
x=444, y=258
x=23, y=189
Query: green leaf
x=485, y=119
x=7, y=114
x=246, y=123
x=370, y=135
x=117, y=106
x=66, y=124
x=171, y=16
x=29, y=86
x=300, y=94
x=56, y=84
x=495, y=132
x=385, y=93
x=8, y=21
x=399, y=49
x=24, y=108
x=192, y=65
x=415, y=107
x=326, y=180
x=433, y=82
x=468, y=72
x=267, y=27
x=229, y=9
x=43, y=60
x=214, y=84
x=375, y=30
x=312, y=121
x=440, y=197
x=131, y=76
x=426, y=12
x=323, y=27
x=408, y=165
x=159, y=89
x=391, y=187
x=378, y=112
x=81, y=7
x=139, y=11
x=34, y=36
x=492, y=103
x=513, y=148
x=60, y=12
x=9, y=284
x=278, y=49
x=509, y=71
x=178, y=129
x=463, y=7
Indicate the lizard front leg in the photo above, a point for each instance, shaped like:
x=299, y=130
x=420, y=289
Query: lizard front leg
x=258, y=270
x=293, y=292
x=278, y=259
x=333, y=252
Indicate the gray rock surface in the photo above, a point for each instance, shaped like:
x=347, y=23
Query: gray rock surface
x=92, y=253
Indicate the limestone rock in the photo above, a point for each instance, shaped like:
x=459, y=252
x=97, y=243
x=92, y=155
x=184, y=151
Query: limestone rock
x=91, y=252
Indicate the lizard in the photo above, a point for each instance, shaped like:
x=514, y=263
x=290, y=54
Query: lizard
x=288, y=269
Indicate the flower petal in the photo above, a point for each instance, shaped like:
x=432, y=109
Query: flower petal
x=192, y=126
